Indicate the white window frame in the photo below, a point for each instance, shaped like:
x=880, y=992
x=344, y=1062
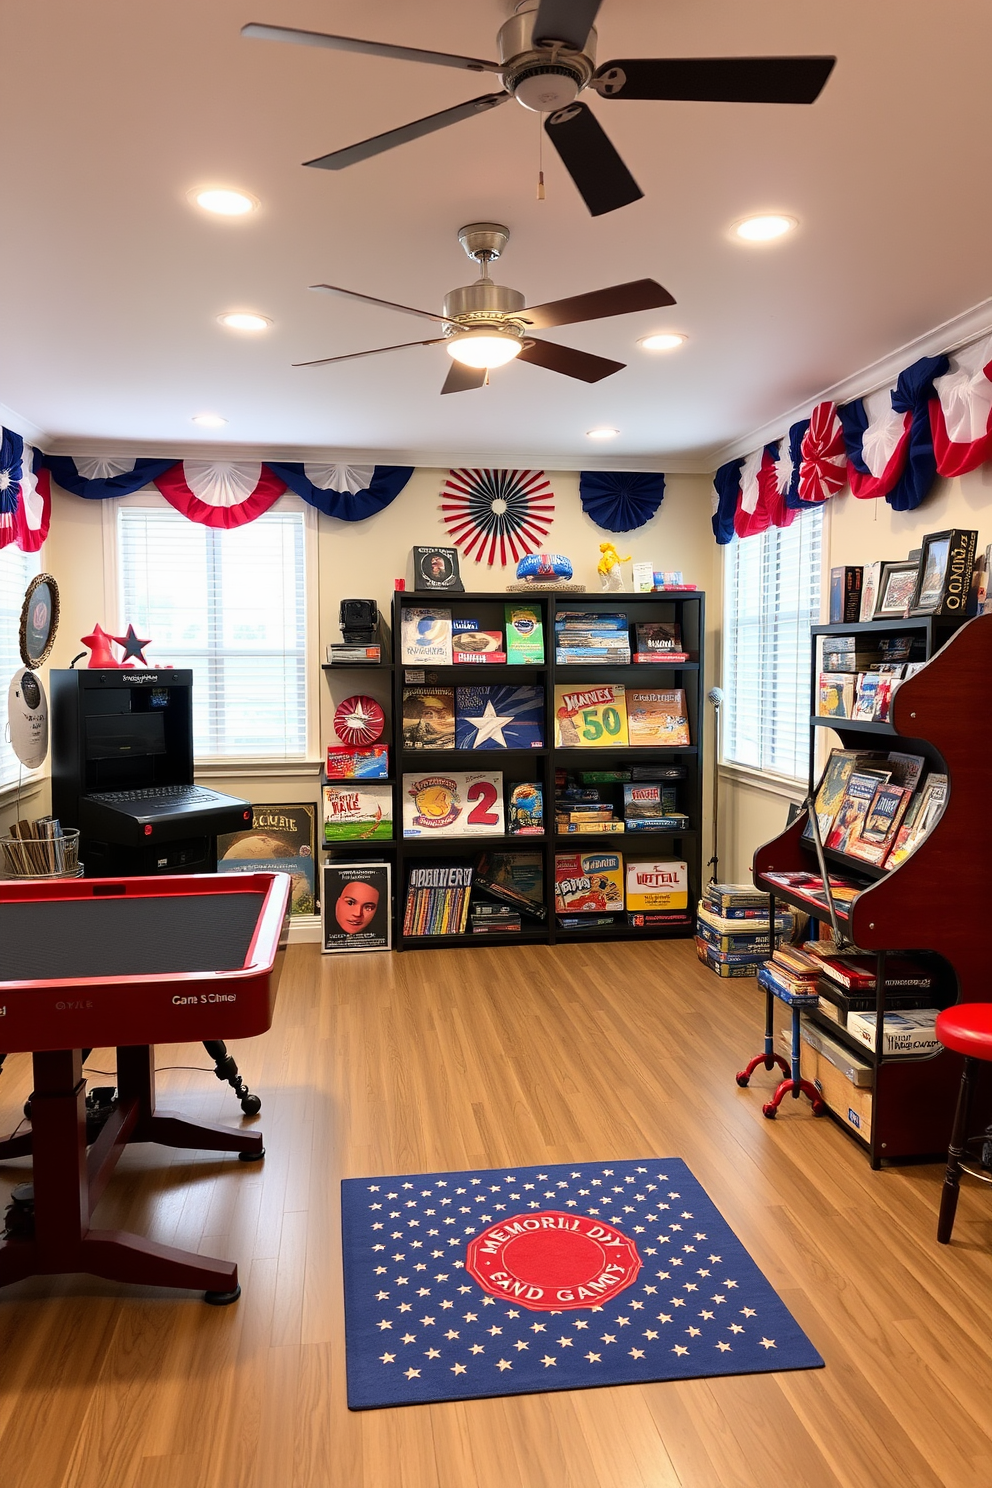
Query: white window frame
x=790, y=786
x=221, y=765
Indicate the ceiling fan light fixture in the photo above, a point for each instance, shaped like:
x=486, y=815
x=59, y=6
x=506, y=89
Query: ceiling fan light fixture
x=484, y=347
x=224, y=202
x=243, y=320
x=603, y=432
x=208, y=420
x=662, y=341
x=765, y=227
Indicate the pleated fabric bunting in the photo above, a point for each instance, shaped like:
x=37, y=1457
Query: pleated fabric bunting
x=621, y=500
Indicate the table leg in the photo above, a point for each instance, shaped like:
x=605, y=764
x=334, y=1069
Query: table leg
x=136, y=1082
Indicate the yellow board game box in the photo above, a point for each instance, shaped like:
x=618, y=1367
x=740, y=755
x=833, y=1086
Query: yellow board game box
x=657, y=885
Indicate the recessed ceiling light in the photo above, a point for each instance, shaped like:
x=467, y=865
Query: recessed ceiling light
x=603, y=433
x=764, y=228
x=224, y=202
x=241, y=320
x=209, y=420
x=664, y=341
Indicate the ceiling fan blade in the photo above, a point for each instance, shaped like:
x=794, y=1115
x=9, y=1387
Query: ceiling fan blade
x=569, y=362
x=365, y=149
x=716, y=79
x=603, y=181
x=462, y=379
x=373, y=48
x=350, y=356
x=353, y=294
x=619, y=299
x=569, y=21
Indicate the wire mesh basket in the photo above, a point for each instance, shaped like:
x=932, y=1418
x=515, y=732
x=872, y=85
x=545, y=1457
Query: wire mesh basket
x=41, y=857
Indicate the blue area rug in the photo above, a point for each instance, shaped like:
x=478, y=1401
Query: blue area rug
x=516, y=1280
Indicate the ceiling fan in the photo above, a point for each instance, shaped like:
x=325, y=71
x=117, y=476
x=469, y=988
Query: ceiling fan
x=547, y=56
x=486, y=324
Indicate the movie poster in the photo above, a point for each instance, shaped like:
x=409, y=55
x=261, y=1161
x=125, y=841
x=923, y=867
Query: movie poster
x=281, y=840
x=356, y=907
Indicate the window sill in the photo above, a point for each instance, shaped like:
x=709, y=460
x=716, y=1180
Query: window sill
x=27, y=788
x=764, y=780
x=257, y=769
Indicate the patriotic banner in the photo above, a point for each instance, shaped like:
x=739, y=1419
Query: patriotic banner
x=350, y=493
x=491, y=511
x=97, y=478
x=620, y=500
x=889, y=441
x=823, y=464
x=25, y=495
x=462, y=1285
x=961, y=411
x=791, y=459
x=220, y=493
x=751, y=494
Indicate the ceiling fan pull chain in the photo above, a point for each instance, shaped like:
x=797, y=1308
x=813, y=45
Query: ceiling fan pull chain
x=540, y=157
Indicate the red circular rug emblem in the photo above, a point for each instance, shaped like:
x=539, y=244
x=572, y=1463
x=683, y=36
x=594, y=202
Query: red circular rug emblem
x=551, y=1262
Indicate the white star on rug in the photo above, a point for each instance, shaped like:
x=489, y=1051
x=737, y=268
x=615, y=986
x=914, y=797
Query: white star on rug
x=491, y=726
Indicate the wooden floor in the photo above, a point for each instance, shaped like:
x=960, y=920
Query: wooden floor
x=478, y=1058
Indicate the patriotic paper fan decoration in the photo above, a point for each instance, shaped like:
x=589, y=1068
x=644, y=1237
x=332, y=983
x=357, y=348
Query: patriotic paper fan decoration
x=823, y=471
x=359, y=720
x=497, y=512
x=621, y=500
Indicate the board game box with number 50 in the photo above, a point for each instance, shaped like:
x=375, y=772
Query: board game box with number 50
x=590, y=717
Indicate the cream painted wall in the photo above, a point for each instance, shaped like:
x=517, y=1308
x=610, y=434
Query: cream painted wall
x=855, y=532
x=361, y=560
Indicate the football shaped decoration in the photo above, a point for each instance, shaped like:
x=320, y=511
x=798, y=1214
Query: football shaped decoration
x=359, y=720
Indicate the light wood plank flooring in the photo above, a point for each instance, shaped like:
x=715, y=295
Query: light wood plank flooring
x=478, y=1058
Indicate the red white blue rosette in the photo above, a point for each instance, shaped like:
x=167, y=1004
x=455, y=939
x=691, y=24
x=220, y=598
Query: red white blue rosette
x=823, y=468
x=497, y=512
x=220, y=493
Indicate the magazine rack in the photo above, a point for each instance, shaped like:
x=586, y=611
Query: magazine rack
x=944, y=712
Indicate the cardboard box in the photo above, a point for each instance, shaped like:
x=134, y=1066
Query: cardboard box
x=588, y=882
x=850, y=1102
x=357, y=810
x=363, y=762
x=657, y=884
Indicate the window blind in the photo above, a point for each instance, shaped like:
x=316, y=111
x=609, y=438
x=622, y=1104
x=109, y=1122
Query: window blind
x=771, y=598
x=230, y=605
x=16, y=571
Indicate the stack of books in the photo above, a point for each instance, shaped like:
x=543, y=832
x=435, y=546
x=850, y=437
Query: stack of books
x=591, y=637
x=582, y=808
x=846, y=983
x=437, y=900
x=792, y=975
x=494, y=919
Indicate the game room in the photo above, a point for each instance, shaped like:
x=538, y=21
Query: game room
x=577, y=1075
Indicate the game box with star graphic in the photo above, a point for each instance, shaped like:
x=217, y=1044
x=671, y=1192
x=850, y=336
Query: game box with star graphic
x=461, y=1285
x=499, y=717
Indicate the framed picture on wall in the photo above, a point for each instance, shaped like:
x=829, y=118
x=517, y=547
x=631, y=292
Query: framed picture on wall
x=896, y=587
x=356, y=907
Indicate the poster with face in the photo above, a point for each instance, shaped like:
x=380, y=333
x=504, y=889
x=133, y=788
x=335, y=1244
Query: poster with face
x=356, y=907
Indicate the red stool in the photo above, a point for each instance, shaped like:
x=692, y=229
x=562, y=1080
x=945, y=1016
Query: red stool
x=967, y=1029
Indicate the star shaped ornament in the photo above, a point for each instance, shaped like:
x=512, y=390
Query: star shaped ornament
x=134, y=647
x=491, y=726
x=359, y=720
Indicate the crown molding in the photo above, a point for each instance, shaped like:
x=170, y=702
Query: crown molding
x=682, y=464
x=950, y=336
x=11, y=419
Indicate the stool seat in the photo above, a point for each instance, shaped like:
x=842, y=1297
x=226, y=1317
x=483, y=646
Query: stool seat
x=967, y=1029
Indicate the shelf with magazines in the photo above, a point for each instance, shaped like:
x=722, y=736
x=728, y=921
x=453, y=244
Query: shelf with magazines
x=512, y=723
x=897, y=803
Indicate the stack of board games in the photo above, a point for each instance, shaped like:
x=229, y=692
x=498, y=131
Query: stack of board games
x=658, y=642
x=911, y=1032
x=581, y=809
x=437, y=899
x=657, y=719
x=494, y=919
x=736, y=901
x=650, y=806
x=591, y=637
x=591, y=717
x=463, y=803
x=357, y=811
x=499, y=717
x=735, y=947
x=846, y=984
x=791, y=975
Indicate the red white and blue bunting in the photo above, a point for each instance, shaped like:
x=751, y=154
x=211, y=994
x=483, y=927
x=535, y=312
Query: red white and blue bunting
x=348, y=492
x=25, y=495
x=961, y=411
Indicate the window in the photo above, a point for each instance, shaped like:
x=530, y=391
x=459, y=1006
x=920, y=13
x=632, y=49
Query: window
x=16, y=570
x=230, y=605
x=771, y=598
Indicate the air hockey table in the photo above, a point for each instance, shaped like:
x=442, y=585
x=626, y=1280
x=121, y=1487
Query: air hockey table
x=128, y=963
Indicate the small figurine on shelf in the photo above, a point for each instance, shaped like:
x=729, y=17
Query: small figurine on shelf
x=608, y=567
x=100, y=643
x=544, y=567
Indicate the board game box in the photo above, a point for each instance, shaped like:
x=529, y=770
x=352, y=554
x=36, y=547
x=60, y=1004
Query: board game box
x=456, y=804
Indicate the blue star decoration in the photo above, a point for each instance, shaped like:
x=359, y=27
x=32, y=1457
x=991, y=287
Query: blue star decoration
x=133, y=647
x=420, y=1328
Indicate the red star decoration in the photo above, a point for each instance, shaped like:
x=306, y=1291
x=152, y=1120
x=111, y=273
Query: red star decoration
x=133, y=646
x=99, y=644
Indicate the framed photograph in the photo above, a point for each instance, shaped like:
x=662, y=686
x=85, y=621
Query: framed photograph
x=896, y=587
x=282, y=839
x=39, y=620
x=356, y=907
x=933, y=567
x=436, y=568
x=946, y=564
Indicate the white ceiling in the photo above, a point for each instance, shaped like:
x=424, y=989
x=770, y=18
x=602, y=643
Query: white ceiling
x=112, y=282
